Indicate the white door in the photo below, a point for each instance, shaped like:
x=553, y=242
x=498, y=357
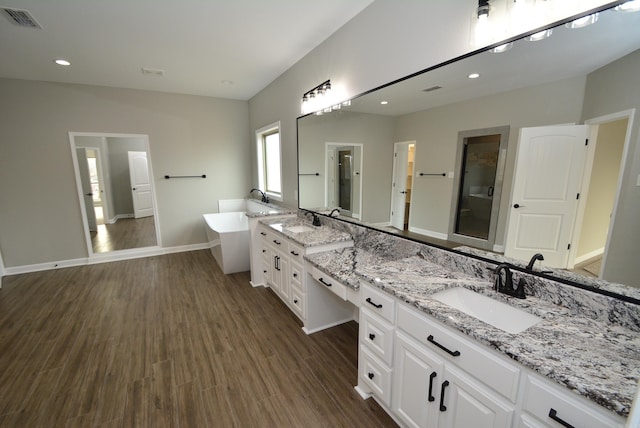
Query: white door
x=87, y=193
x=544, y=199
x=399, y=185
x=140, y=184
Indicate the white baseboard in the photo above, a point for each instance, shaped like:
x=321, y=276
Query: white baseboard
x=431, y=233
x=383, y=224
x=590, y=255
x=498, y=249
x=105, y=258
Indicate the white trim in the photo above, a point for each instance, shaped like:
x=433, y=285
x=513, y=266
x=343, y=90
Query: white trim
x=431, y=233
x=327, y=145
x=394, y=160
x=105, y=258
x=590, y=255
x=629, y=115
x=498, y=249
x=326, y=326
x=85, y=223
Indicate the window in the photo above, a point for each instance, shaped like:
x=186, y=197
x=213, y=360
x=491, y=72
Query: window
x=269, y=165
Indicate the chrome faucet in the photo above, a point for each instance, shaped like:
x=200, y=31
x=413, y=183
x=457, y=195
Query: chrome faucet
x=265, y=198
x=335, y=210
x=536, y=256
x=506, y=286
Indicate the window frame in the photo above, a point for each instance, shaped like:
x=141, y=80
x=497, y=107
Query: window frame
x=262, y=168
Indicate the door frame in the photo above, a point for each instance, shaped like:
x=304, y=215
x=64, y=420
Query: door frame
x=357, y=167
x=85, y=224
x=586, y=179
x=485, y=244
x=393, y=174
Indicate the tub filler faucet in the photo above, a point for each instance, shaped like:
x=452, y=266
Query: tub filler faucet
x=265, y=198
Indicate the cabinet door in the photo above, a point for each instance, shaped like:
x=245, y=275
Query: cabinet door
x=417, y=379
x=465, y=402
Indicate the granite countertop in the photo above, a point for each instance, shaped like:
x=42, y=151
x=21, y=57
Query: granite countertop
x=600, y=361
x=314, y=236
x=270, y=209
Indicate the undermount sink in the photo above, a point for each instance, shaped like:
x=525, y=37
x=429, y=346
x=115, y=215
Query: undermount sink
x=298, y=229
x=493, y=312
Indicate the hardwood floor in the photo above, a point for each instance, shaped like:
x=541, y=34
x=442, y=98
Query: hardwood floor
x=169, y=341
x=124, y=234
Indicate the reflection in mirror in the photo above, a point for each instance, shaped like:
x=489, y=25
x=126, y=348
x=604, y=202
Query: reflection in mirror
x=577, y=76
x=115, y=189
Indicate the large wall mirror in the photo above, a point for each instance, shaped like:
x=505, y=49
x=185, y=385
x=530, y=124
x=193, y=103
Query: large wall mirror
x=115, y=189
x=575, y=202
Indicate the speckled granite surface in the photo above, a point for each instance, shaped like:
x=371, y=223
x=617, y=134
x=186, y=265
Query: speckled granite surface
x=599, y=360
x=316, y=236
x=270, y=209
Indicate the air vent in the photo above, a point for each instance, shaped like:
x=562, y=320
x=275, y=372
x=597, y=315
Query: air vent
x=21, y=18
x=433, y=88
x=152, y=72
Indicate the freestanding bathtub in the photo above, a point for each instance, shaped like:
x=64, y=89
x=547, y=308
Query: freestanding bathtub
x=228, y=235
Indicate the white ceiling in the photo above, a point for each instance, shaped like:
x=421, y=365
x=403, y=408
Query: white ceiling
x=200, y=44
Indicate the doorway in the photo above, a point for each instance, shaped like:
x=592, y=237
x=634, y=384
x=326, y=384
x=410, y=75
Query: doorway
x=480, y=164
x=343, y=185
x=403, y=167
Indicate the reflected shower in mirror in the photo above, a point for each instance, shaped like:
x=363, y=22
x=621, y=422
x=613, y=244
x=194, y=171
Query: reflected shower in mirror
x=116, y=191
x=578, y=76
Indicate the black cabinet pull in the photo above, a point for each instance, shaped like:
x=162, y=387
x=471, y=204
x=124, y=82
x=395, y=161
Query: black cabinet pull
x=277, y=242
x=431, y=377
x=448, y=351
x=369, y=301
x=370, y=375
x=554, y=415
x=264, y=271
x=372, y=336
x=325, y=283
x=264, y=251
x=294, y=253
x=443, y=408
x=263, y=234
x=295, y=275
x=295, y=301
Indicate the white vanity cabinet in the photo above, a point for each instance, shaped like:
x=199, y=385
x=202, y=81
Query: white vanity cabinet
x=436, y=378
x=548, y=405
x=257, y=232
x=275, y=262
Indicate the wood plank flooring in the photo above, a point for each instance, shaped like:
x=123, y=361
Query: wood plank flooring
x=124, y=234
x=169, y=341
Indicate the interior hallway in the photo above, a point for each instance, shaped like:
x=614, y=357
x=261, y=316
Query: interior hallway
x=169, y=341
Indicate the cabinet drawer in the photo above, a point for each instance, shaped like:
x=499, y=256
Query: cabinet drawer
x=278, y=242
x=295, y=253
x=329, y=283
x=549, y=403
x=298, y=303
x=377, y=335
x=486, y=365
x=295, y=274
x=378, y=302
x=375, y=374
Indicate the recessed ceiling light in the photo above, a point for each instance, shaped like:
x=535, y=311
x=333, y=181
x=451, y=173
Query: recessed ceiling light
x=62, y=62
x=583, y=22
x=384, y=102
x=630, y=6
x=473, y=76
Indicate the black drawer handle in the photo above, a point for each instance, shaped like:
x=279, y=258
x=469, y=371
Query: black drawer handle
x=294, y=253
x=448, y=351
x=263, y=234
x=264, y=251
x=554, y=415
x=372, y=336
x=431, y=377
x=369, y=301
x=325, y=283
x=276, y=242
x=295, y=275
x=370, y=375
x=443, y=408
x=264, y=271
x=295, y=301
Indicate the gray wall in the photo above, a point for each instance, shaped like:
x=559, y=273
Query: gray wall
x=436, y=134
x=119, y=172
x=40, y=218
x=612, y=89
